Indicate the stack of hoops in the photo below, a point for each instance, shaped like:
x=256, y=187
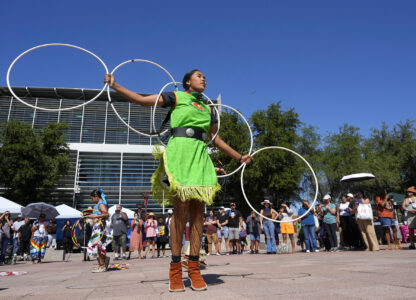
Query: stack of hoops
x=155, y=132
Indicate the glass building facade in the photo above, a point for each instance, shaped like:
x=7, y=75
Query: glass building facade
x=104, y=152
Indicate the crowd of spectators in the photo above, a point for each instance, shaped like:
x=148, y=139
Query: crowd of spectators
x=351, y=224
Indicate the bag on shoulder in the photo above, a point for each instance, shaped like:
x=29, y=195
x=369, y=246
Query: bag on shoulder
x=364, y=212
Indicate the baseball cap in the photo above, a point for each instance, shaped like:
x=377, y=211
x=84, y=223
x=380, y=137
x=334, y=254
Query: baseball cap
x=327, y=196
x=350, y=195
x=265, y=201
x=170, y=211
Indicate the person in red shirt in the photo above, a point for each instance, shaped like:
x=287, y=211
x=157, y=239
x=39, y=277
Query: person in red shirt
x=385, y=211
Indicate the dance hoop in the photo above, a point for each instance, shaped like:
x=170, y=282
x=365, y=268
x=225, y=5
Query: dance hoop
x=154, y=112
x=73, y=236
x=301, y=157
x=109, y=96
x=251, y=137
x=53, y=109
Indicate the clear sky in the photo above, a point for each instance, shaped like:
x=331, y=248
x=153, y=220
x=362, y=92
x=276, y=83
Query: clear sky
x=332, y=61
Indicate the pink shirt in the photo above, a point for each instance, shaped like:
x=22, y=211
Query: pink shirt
x=150, y=228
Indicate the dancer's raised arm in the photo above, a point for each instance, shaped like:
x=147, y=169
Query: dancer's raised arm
x=130, y=95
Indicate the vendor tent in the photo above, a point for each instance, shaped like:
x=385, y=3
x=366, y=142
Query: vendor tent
x=67, y=212
x=7, y=205
x=128, y=212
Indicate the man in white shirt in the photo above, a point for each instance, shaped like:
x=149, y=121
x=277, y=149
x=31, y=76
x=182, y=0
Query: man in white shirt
x=15, y=228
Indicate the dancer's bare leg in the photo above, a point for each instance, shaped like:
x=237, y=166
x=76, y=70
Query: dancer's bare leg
x=180, y=213
x=196, y=224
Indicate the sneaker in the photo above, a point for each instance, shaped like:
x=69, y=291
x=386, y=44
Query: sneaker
x=98, y=270
x=308, y=251
x=228, y=253
x=116, y=258
x=412, y=246
x=257, y=252
x=124, y=257
x=218, y=254
x=317, y=250
x=208, y=254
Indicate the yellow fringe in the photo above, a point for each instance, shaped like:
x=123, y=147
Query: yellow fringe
x=203, y=193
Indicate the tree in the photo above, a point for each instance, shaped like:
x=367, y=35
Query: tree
x=343, y=154
x=31, y=163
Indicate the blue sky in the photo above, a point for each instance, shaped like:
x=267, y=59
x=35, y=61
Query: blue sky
x=334, y=62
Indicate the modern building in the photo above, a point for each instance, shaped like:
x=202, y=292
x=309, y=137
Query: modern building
x=105, y=153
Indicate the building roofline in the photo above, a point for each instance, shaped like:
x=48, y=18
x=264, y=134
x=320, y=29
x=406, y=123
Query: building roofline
x=60, y=93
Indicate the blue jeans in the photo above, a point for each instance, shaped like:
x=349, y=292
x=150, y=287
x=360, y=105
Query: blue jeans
x=15, y=246
x=4, y=244
x=268, y=227
x=310, y=237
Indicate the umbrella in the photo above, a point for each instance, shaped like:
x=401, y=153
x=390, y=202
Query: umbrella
x=357, y=177
x=33, y=210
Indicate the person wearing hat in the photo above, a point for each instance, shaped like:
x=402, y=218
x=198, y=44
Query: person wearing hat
x=234, y=221
x=330, y=222
x=222, y=230
x=5, y=235
x=168, y=222
x=409, y=206
x=268, y=226
x=151, y=235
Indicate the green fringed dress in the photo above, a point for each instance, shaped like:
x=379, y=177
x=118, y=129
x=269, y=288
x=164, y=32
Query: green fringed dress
x=185, y=161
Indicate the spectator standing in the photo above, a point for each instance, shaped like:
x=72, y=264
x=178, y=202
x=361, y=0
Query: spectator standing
x=409, y=206
x=15, y=228
x=366, y=226
x=136, y=238
x=243, y=237
x=162, y=237
x=344, y=219
x=150, y=229
x=268, y=226
x=5, y=239
x=330, y=222
x=39, y=239
x=119, y=223
x=24, y=236
x=222, y=230
x=211, y=225
x=286, y=225
x=52, y=227
x=385, y=212
x=67, y=240
x=254, y=230
x=308, y=225
x=234, y=221
x=168, y=222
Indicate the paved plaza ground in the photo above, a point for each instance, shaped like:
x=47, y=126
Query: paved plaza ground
x=341, y=275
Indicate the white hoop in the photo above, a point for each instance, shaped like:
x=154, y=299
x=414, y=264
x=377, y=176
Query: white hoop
x=154, y=112
x=297, y=154
x=251, y=137
x=53, y=109
x=109, y=96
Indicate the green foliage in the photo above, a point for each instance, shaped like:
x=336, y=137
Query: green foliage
x=31, y=164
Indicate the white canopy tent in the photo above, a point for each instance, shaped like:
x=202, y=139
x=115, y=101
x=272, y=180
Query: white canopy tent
x=7, y=205
x=128, y=212
x=67, y=212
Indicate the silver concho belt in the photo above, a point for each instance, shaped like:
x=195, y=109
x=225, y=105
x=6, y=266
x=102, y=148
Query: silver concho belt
x=189, y=132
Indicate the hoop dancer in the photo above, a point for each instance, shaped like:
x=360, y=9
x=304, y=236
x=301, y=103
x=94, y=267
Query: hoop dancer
x=185, y=168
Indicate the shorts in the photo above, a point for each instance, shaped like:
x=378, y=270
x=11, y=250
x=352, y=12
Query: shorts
x=286, y=228
x=151, y=239
x=222, y=233
x=386, y=222
x=119, y=240
x=234, y=233
x=254, y=238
